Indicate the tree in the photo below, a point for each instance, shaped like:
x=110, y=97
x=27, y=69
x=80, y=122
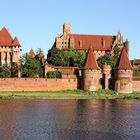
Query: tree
x=107, y=59
x=31, y=67
x=5, y=71
x=66, y=57
x=54, y=57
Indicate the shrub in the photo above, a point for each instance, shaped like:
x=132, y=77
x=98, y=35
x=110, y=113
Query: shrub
x=53, y=74
x=136, y=73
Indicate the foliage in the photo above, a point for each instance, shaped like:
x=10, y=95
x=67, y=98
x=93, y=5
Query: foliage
x=31, y=67
x=53, y=74
x=66, y=57
x=107, y=59
x=5, y=71
x=136, y=73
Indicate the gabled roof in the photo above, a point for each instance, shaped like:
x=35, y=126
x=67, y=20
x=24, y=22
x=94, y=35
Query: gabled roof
x=124, y=62
x=96, y=41
x=6, y=39
x=91, y=63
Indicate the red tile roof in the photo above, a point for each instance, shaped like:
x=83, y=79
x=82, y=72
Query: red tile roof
x=31, y=53
x=91, y=63
x=96, y=41
x=124, y=62
x=6, y=39
x=16, y=42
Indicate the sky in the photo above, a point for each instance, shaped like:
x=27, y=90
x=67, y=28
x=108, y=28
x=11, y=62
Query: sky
x=37, y=22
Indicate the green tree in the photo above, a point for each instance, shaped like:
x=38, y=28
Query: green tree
x=31, y=67
x=107, y=59
x=66, y=57
x=136, y=73
x=5, y=71
x=54, y=57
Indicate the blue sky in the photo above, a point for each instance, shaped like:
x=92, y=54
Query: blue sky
x=38, y=22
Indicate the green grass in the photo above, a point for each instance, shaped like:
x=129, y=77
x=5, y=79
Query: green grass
x=74, y=94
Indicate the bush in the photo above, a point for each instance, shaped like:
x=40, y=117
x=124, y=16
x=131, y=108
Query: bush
x=136, y=73
x=5, y=71
x=53, y=74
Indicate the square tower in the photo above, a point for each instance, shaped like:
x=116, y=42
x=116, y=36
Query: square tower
x=67, y=28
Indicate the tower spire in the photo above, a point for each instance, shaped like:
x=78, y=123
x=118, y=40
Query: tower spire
x=91, y=63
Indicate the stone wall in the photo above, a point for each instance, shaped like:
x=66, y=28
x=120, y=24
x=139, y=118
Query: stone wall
x=136, y=83
x=37, y=84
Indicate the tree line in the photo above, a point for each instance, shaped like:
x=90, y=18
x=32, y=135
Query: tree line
x=34, y=67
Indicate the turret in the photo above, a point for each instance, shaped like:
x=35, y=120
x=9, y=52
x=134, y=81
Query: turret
x=91, y=73
x=124, y=75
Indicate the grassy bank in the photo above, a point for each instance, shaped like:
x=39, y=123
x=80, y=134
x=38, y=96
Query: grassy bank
x=75, y=94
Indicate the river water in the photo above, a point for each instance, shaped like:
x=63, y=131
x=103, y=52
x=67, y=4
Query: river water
x=70, y=120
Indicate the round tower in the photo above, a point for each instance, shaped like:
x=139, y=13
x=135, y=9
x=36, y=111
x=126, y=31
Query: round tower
x=91, y=73
x=91, y=79
x=124, y=77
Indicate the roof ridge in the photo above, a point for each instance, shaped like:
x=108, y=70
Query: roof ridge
x=93, y=35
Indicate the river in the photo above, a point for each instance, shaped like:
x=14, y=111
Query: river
x=69, y=119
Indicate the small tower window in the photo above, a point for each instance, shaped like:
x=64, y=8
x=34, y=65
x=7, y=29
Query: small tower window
x=80, y=43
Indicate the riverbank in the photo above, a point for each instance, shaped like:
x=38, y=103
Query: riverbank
x=75, y=94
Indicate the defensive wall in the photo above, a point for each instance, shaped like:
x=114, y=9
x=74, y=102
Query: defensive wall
x=45, y=84
x=136, y=83
x=37, y=84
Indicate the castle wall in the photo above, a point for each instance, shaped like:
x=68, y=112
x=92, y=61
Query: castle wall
x=136, y=83
x=37, y=84
x=91, y=79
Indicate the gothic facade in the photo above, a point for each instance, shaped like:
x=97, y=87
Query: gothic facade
x=9, y=48
x=101, y=44
x=91, y=77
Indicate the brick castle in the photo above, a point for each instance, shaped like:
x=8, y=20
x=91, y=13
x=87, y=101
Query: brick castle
x=10, y=50
x=91, y=77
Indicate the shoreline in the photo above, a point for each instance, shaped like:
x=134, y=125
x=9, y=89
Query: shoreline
x=68, y=94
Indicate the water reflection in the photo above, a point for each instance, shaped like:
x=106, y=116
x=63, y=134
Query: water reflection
x=69, y=119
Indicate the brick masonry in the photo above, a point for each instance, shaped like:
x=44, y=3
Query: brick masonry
x=43, y=84
x=136, y=83
x=37, y=84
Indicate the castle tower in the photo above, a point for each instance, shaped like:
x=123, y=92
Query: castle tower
x=67, y=28
x=106, y=69
x=91, y=73
x=124, y=79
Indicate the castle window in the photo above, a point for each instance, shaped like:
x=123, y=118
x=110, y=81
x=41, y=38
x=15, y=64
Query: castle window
x=80, y=43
